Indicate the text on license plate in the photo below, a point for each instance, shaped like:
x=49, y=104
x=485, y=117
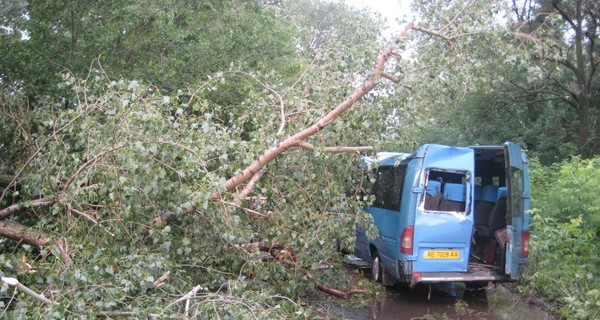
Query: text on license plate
x=441, y=254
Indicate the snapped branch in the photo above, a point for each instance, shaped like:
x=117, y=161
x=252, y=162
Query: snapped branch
x=309, y=146
x=284, y=145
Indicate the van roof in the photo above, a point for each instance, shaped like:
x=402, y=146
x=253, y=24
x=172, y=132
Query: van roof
x=383, y=159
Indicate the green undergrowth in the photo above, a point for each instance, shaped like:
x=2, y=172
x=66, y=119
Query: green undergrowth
x=565, y=227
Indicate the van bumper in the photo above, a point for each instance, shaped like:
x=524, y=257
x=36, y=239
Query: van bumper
x=480, y=275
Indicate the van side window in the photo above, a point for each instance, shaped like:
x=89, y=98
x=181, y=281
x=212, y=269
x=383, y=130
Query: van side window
x=445, y=191
x=388, y=187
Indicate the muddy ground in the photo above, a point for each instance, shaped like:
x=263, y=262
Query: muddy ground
x=455, y=301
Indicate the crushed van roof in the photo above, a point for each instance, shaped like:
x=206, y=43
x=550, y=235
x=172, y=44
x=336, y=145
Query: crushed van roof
x=384, y=159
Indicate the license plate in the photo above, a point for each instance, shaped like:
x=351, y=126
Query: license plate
x=441, y=254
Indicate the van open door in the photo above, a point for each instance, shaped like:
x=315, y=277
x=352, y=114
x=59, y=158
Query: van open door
x=444, y=218
x=517, y=221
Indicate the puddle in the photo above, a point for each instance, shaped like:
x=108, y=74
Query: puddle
x=453, y=302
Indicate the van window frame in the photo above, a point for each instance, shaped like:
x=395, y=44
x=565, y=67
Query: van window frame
x=467, y=176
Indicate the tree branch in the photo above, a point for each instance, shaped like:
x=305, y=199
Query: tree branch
x=248, y=188
x=281, y=103
x=564, y=15
x=83, y=214
x=15, y=283
x=87, y=164
x=339, y=294
x=309, y=146
x=433, y=33
x=272, y=152
x=455, y=16
x=17, y=207
x=390, y=77
x=285, y=254
x=20, y=233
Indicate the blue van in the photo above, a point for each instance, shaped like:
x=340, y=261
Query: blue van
x=447, y=214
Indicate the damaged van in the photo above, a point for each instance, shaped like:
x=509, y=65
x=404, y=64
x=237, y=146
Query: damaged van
x=447, y=214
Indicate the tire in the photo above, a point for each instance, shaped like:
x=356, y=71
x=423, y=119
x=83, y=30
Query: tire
x=376, y=268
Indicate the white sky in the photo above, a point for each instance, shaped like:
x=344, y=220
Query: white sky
x=391, y=10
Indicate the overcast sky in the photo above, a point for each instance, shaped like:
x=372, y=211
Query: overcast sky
x=389, y=9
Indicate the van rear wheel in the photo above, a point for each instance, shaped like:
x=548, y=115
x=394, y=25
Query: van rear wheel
x=376, y=268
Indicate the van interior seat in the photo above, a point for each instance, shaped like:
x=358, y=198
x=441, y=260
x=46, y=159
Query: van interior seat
x=454, y=197
x=497, y=218
x=489, y=194
x=433, y=195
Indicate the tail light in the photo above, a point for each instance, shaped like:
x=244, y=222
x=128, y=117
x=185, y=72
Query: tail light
x=406, y=242
x=525, y=248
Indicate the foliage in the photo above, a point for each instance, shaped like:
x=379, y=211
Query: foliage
x=172, y=44
x=127, y=155
x=509, y=73
x=133, y=166
x=565, y=225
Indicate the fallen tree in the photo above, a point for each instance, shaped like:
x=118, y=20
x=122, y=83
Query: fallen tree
x=126, y=158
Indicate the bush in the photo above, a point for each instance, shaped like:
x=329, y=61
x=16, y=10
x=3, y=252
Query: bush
x=565, y=223
x=133, y=173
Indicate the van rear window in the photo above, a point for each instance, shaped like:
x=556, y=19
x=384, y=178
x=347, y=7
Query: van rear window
x=445, y=191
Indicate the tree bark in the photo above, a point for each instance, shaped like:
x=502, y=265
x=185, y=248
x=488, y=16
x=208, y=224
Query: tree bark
x=17, y=207
x=19, y=232
x=22, y=234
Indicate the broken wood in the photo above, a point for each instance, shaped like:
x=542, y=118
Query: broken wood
x=340, y=294
x=300, y=136
x=21, y=233
x=17, y=207
x=284, y=145
x=19, y=286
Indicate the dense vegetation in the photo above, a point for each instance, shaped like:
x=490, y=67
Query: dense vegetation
x=566, y=224
x=120, y=122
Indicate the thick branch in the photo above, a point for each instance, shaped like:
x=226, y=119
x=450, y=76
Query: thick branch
x=272, y=152
x=564, y=15
x=17, y=207
x=20, y=233
x=309, y=146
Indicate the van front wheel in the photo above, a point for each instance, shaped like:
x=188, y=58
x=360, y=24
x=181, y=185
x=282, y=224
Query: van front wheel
x=376, y=268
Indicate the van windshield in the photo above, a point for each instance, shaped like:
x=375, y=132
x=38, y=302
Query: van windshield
x=445, y=191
